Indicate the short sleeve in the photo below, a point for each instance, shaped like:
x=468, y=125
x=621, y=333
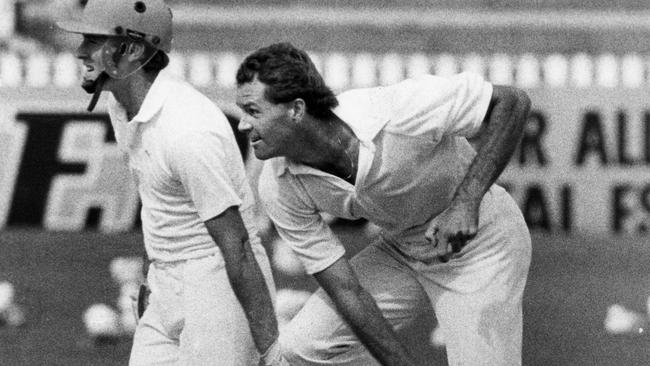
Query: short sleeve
x=434, y=106
x=297, y=221
x=198, y=160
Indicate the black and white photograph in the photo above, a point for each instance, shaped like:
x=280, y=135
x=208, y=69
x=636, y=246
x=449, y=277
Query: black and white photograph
x=324, y=182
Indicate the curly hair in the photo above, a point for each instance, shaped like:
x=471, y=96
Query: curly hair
x=288, y=73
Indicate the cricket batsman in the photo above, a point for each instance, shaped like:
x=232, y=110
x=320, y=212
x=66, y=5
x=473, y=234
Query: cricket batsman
x=210, y=279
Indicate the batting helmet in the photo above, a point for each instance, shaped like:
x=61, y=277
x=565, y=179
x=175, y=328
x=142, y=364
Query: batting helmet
x=147, y=20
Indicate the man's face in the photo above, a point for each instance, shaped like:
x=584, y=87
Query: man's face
x=269, y=126
x=90, y=54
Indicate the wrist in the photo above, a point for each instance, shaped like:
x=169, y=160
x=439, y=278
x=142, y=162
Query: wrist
x=272, y=356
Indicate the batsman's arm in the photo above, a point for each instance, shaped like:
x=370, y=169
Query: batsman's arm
x=245, y=276
x=362, y=314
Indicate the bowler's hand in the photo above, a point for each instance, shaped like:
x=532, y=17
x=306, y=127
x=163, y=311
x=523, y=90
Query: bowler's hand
x=450, y=231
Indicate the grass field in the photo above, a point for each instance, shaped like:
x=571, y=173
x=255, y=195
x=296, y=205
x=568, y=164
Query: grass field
x=573, y=280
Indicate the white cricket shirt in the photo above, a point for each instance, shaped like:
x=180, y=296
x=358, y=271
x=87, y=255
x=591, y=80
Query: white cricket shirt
x=412, y=156
x=187, y=165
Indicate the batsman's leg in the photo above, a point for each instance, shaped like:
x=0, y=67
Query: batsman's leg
x=155, y=341
x=216, y=331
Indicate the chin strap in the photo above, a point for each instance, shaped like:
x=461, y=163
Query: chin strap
x=96, y=89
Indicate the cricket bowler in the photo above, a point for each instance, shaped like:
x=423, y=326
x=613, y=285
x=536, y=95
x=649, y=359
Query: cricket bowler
x=419, y=159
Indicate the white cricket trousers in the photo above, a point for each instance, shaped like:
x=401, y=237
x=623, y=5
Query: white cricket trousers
x=193, y=317
x=477, y=298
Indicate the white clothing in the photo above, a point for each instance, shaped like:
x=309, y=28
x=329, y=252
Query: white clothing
x=187, y=166
x=194, y=317
x=188, y=169
x=481, y=327
x=412, y=157
x=413, y=154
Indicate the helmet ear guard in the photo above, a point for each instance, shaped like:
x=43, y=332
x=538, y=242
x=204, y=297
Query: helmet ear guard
x=117, y=65
x=115, y=58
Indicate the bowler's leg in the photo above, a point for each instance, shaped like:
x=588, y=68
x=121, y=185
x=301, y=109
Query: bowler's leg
x=317, y=335
x=483, y=326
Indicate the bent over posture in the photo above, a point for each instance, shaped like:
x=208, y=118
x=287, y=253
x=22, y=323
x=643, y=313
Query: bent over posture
x=399, y=156
x=209, y=275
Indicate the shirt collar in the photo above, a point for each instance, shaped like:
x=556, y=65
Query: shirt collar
x=283, y=165
x=151, y=105
x=154, y=99
x=360, y=110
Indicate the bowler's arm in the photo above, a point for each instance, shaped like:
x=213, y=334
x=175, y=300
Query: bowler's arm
x=228, y=231
x=362, y=314
x=495, y=142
